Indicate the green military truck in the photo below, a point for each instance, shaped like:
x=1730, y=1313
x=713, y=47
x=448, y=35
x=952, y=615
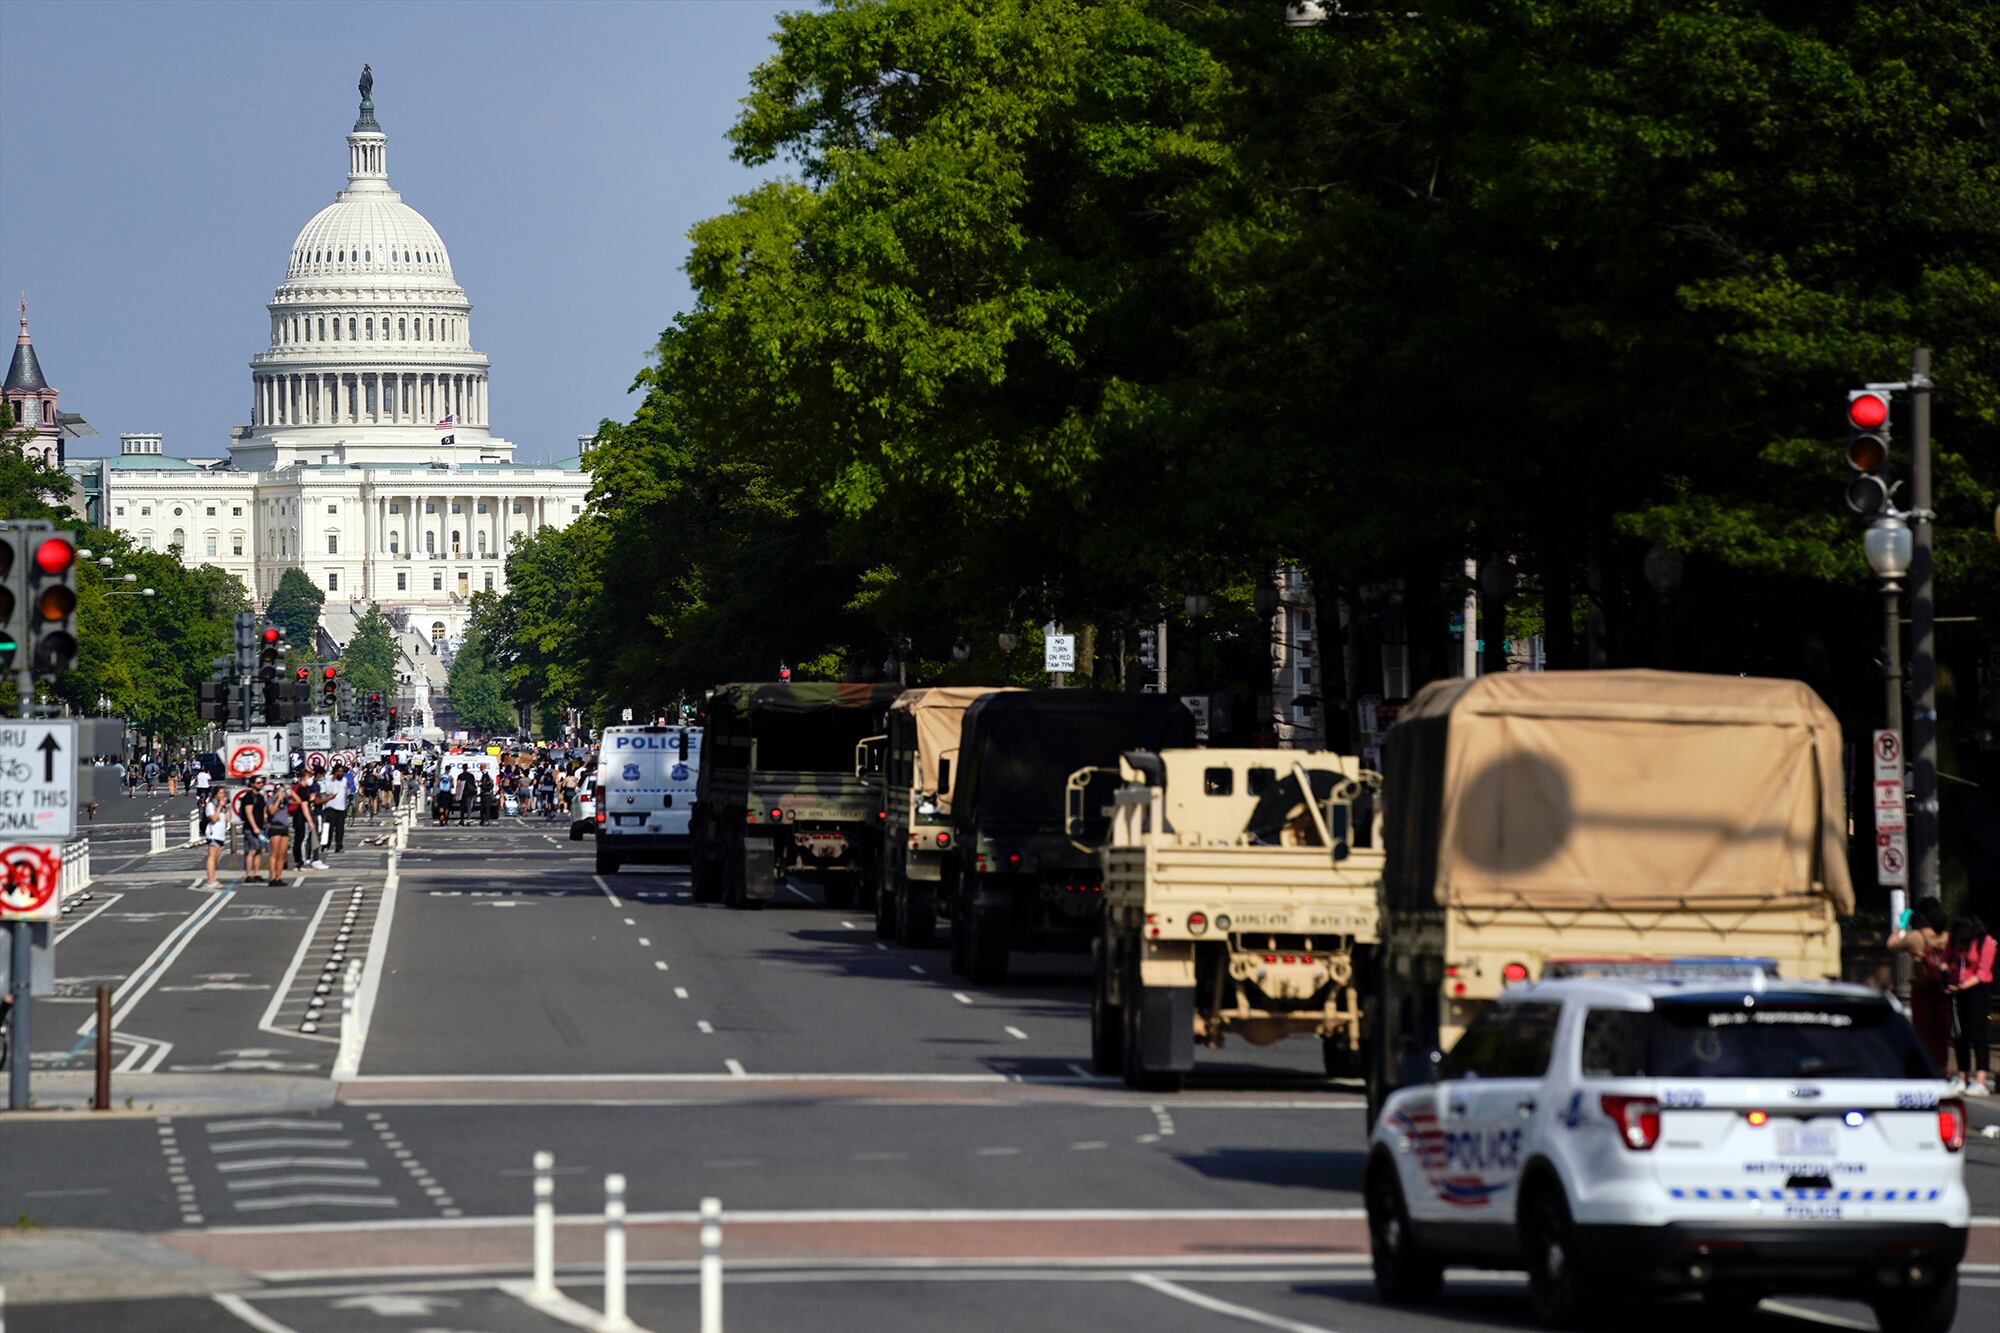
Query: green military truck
x=916, y=758
x=1022, y=875
x=1240, y=896
x=778, y=794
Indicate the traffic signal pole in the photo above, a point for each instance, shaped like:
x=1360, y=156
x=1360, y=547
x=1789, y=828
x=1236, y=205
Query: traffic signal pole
x=1923, y=638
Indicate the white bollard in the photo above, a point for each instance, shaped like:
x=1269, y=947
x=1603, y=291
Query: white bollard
x=545, y=1225
x=194, y=829
x=615, y=1318
x=349, y=1062
x=158, y=830
x=711, y=1265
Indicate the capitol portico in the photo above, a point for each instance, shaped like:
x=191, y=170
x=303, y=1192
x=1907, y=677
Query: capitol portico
x=368, y=460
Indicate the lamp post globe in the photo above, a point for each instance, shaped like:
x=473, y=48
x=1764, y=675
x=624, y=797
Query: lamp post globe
x=1887, y=544
x=1664, y=569
x=1008, y=641
x=1197, y=604
x=960, y=650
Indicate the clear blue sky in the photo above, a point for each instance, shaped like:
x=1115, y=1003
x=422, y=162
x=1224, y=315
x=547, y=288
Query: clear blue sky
x=158, y=158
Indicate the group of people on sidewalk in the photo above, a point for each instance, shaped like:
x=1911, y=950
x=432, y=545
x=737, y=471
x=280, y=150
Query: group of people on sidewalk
x=1951, y=990
x=545, y=788
x=302, y=816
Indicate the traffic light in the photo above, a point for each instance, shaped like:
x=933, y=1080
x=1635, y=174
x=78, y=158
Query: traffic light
x=271, y=653
x=374, y=707
x=13, y=594
x=52, y=602
x=1149, y=649
x=1869, y=491
x=215, y=700
x=330, y=687
x=392, y=721
x=246, y=643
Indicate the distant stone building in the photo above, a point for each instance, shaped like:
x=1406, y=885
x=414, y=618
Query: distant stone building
x=33, y=402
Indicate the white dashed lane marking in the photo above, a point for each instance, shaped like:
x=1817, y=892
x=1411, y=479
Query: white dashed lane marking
x=680, y=992
x=705, y=1026
x=961, y=997
x=1016, y=1033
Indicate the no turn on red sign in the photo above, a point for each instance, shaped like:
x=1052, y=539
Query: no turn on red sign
x=30, y=882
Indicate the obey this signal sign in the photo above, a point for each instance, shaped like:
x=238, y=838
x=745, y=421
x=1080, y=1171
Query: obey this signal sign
x=30, y=877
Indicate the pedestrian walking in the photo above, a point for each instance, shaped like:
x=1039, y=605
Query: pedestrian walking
x=465, y=795
x=278, y=827
x=1969, y=985
x=1922, y=935
x=489, y=800
x=334, y=809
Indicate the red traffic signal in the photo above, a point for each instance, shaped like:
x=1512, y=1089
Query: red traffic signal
x=302, y=673
x=55, y=555
x=330, y=671
x=1867, y=410
x=272, y=634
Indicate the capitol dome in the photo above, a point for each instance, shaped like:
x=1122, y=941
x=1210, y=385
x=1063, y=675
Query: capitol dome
x=369, y=234
x=370, y=356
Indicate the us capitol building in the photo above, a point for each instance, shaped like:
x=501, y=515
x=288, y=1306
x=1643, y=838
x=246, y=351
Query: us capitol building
x=369, y=460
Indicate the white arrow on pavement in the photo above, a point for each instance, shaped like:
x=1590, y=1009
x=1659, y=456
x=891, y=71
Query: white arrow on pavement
x=391, y=1304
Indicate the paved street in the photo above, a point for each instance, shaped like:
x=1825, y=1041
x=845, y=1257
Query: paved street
x=893, y=1147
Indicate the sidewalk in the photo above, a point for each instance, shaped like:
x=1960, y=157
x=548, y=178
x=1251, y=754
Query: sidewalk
x=66, y=1094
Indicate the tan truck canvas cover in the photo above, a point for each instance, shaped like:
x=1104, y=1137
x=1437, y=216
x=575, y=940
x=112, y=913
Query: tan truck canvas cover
x=1571, y=789
x=937, y=714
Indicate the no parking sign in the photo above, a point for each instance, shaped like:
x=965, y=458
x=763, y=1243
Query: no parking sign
x=32, y=876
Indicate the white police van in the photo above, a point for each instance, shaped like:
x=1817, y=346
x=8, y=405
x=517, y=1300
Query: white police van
x=645, y=794
x=1680, y=1126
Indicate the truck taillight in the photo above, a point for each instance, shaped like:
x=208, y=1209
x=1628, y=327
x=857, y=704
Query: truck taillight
x=1637, y=1118
x=944, y=839
x=776, y=815
x=1197, y=922
x=1515, y=972
x=1951, y=1124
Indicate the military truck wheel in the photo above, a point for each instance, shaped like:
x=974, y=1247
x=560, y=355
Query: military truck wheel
x=1107, y=1022
x=916, y=918
x=1138, y=1074
x=841, y=891
x=706, y=879
x=885, y=917
x=987, y=945
x=959, y=931
x=607, y=864
x=1342, y=1060
x=738, y=871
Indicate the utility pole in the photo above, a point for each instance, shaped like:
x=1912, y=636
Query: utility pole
x=1923, y=638
x=1163, y=656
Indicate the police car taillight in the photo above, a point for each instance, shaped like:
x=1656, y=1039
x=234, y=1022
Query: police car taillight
x=1637, y=1118
x=1951, y=1125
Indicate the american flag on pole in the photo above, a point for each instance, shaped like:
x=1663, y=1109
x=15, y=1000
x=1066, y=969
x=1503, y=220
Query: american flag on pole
x=446, y=425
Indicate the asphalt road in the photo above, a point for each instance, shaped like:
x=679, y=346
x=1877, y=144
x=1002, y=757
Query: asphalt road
x=893, y=1148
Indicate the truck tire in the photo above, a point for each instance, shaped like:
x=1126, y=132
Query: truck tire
x=916, y=917
x=885, y=916
x=1931, y=1309
x=959, y=929
x=1107, y=1021
x=841, y=890
x=607, y=864
x=1560, y=1291
x=1141, y=1012
x=1341, y=1060
x=706, y=880
x=1404, y=1274
x=753, y=859
x=987, y=945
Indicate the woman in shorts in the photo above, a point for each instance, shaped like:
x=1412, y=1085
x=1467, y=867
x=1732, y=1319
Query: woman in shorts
x=278, y=827
x=214, y=830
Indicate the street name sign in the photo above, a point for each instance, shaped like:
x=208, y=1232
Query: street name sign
x=1059, y=652
x=37, y=779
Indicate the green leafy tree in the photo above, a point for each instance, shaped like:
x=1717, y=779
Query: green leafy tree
x=369, y=663
x=29, y=488
x=295, y=605
x=475, y=689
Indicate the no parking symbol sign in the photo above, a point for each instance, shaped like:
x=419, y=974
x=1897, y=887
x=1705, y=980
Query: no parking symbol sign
x=30, y=877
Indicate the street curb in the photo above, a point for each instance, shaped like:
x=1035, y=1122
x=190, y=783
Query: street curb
x=62, y=1266
x=65, y=1095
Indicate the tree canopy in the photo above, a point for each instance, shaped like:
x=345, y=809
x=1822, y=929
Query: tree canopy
x=1065, y=310
x=369, y=662
x=295, y=605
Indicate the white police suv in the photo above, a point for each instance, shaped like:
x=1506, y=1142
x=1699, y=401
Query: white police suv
x=1632, y=1128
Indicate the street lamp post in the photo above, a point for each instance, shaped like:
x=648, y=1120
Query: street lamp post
x=1496, y=580
x=1888, y=544
x=1008, y=641
x=1664, y=569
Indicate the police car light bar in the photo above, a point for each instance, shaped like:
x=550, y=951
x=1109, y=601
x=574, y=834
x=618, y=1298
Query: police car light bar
x=1660, y=969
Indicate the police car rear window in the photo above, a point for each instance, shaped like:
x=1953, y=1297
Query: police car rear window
x=1791, y=1038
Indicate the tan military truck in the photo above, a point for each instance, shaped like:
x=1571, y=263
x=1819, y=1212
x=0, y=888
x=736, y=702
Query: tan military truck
x=1533, y=818
x=913, y=762
x=1240, y=896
